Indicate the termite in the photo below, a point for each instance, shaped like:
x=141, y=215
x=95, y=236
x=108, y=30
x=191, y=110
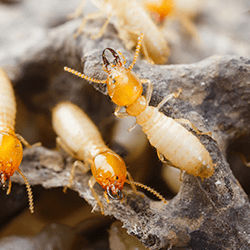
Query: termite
x=11, y=150
x=132, y=20
x=164, y=10
x=172, y=140
x=80, y=137
x=160, y=8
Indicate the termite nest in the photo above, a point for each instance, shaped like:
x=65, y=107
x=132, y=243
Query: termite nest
x=209, y=211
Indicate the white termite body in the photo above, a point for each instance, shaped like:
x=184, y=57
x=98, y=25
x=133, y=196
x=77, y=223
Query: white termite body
x=77, y=131
x=132, y=19
x=173, y=141
x=80, y=137
x=176, y=143
x=133, y=16
x=7, y=103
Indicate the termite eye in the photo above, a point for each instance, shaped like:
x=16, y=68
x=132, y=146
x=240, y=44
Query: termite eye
x=113, y=81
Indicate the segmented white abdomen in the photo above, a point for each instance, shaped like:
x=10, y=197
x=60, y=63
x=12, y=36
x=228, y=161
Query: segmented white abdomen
x=177, y=144
x=76, y=129
x=7, y=102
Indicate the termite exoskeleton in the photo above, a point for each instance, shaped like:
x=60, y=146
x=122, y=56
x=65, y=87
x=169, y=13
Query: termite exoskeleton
x=11, y=150
x=132, y=20
x=161, y=9
x=79, y=136
x=172, y=140
x=164, y=10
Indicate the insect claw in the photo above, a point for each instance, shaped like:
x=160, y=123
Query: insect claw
x=117, y=60
x=117, y=196
x=105, y=60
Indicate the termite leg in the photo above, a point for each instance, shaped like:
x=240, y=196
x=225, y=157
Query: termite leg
x=61, y=144
x=132, y=126
x=120, y=114
x=26, y=144
x=149, y=89
x=145, y=52
x=79, y=164
x=106, y=196
x=100, y=33
x=189, y=26
x=181, y=175
x=164, y=160
x=78, y=11
x=9, y=187
x=85, y=168
x=190, y=124
x=91, y=184
x=168, y=97
x=90, y=16
x=131, y=182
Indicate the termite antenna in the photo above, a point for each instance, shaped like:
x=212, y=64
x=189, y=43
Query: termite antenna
x=137, y=51
x=79, y=74
x=30, y=195
x=151, y=190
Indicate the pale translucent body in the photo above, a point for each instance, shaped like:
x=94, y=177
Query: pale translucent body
x=134, y=19
x=76, y=129
x=177, y=144
x=7, y=102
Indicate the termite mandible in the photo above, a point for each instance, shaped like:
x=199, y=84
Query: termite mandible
x=11, y=150
x=172, y=140
x=79, y=137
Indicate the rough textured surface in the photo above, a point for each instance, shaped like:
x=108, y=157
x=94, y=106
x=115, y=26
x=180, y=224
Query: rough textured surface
x=215, y=97
x=209, y=214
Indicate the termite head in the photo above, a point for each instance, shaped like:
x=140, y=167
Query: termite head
x=124, y=86
x=160, y=9
x=11, y=153
x=110, y=172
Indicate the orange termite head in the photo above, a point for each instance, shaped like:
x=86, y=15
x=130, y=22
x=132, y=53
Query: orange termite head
x=11, y=153
x=160, y=9
x=124, y=86
x=110, y=172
